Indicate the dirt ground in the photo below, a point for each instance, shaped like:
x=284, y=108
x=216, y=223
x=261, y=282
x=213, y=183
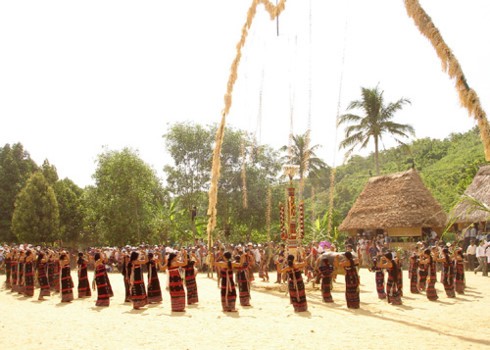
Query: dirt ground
x=270, y=323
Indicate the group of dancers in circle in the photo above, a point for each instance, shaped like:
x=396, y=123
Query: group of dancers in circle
x=51, y=270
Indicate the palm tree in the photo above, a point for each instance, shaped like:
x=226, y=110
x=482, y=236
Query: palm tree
x=376, y=122
x=303, y=155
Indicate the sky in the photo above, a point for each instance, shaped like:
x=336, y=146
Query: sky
x=81, y=77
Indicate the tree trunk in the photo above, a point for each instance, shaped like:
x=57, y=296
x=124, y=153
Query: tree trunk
x=376, y=155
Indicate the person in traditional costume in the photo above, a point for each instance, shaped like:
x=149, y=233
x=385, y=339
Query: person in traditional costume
x=228, y=290
x=8, y=269
x=83, y=284
x=54, y=271
x=190, y=278
x=137, y=284
x=125, y=271
x=264, y=266
x=325, y=266
x=296, y=285
x=154, y=290
x=392, y=285
x=351, y=280
x=20, y=272
x=430, y=264
x=42, y=277
x=66, y=280
x=14, y=270
x=29, y=274
x=243, y=281
x=447, y=276
x=459, y=279
x=412, y=271
x=101, y=281
x=379, y=277
x=176, y=286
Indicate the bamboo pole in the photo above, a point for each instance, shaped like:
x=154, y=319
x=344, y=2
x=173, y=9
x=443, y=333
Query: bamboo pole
x=274, y=11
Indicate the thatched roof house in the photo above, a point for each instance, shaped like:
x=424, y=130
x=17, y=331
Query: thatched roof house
x=465, y=211
x=400, y=204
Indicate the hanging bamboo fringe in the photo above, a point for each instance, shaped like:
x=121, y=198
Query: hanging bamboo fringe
x=467, y=96
x=330, y=204
x=274, y=11
x=268, y=214
x=244, y=177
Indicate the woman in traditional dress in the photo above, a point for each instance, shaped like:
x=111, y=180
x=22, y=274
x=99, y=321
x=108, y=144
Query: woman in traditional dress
x=54, y=271
x=29, y=274
x=154, y=291
x=325, y=266
x=20, y=272
x=101, y=281
x=42, y=277
x=430, y=265
x=379, y=277
x=296, y=285
x=243, y=282
x=447, y=277
x=8, y=268
x=392, y=287
x=228, y=291
x=14, y=270
x=175, y=284
x=412, y=272
x=351, y=280
x=66, y=280
x=125, y=271
x=83, y=284
x=459, y=267
x=190, y=279
x=137, y=284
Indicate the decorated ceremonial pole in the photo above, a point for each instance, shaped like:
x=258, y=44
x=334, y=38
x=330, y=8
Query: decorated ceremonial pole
x=292, y=226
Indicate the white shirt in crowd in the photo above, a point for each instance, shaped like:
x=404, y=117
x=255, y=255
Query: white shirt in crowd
x=471, y=249
x=480, y=251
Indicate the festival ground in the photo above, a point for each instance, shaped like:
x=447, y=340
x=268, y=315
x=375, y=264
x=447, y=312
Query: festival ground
x=270, y=323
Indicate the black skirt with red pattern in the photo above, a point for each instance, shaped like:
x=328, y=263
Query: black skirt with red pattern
x=423, y=273
x=228, y=290
x=379, y=277
x=243, y=286
x=29, y=279
x=297, y=293
x=431, y=292
x=176, y=289
x=154, y=290
x=13, y=276
x=138, y=290
x=20, y=278
x=326, y=270
x=392, y=287
x=103, y=292
x=42, y=279
x=460, y=283
x=66, y=285
x=412, y=274
x=83, y=284
x=190, y=284
x=448, y=279
x=352, y=288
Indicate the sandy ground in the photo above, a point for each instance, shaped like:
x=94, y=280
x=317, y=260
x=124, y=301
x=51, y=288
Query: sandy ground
x=269, y=324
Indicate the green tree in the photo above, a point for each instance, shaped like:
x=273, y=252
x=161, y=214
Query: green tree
x=191, y=148
x=377, y=120
x=50, y=173
x=69, y=197
x=16, y=166
x=126, y=201
x=36, y=215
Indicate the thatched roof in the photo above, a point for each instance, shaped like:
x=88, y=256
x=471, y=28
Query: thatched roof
x=465, y=211
x=398, y=200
